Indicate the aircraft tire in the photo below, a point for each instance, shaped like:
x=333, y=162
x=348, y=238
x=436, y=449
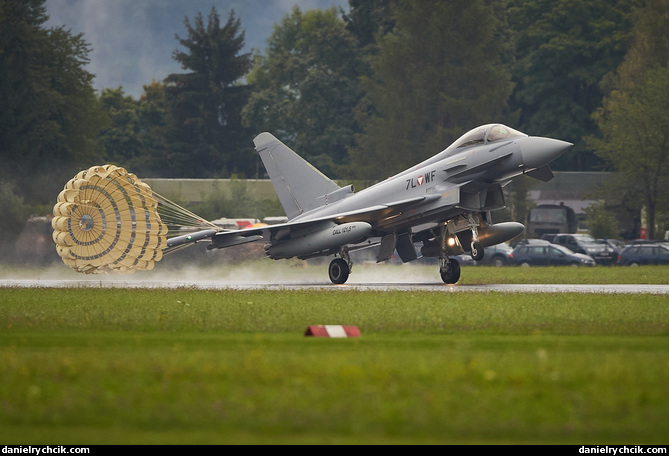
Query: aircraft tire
x=477, y=252
x=338, y=271
x=451, y=272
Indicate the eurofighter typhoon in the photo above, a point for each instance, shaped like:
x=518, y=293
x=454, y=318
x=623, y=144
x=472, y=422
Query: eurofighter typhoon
x=438, y=208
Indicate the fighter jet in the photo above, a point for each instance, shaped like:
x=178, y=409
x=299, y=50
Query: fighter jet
x=441, y=207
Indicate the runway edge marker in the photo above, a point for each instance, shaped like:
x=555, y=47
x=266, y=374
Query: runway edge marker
x=332, y=331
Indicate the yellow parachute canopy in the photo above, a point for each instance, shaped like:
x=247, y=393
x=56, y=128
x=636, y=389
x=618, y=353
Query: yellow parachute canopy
x=107, y=220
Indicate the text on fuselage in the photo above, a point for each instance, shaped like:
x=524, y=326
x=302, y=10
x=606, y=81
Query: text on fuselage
x=420, y=180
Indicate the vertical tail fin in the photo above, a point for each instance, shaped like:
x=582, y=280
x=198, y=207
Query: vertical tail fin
x=299, y=186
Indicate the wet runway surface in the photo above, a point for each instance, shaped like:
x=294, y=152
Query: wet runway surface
x=293, y=276
x=322, y=285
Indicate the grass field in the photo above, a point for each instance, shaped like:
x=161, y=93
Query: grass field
x=187, y=366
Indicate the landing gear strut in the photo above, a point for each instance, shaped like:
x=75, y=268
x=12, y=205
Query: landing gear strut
x=340, y=268
x=476, y=248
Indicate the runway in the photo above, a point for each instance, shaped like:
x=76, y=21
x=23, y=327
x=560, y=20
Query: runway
x=353, y=286
x=293, y=276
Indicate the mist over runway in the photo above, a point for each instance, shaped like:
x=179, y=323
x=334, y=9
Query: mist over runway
x=295, y=276
x=433, y=287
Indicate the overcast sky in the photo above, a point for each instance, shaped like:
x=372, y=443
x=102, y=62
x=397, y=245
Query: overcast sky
x=132, y=41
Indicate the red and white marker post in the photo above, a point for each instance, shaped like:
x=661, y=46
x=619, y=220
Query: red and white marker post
x=333, y=331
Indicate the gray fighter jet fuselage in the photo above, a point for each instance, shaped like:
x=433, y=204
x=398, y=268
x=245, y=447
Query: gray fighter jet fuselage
x=443, y=203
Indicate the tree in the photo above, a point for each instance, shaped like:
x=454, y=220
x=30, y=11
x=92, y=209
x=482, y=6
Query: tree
x=15, y=212
x=305, y=88
x=205, y=137
x=152, y=114
x=601, y=223
x=634, y=116
x=439, y=73
x=50, y=116
x=121, y=139
x=368, y=19
x=134, y=137
x=635, y=130
x=564, y=49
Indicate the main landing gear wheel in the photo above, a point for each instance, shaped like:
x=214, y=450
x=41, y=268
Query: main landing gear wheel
x=450, y=271
x=477, y=251
x=339, y=271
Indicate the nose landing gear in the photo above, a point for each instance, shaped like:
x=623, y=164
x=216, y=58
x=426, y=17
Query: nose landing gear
x=477, y=251
x=476, y=247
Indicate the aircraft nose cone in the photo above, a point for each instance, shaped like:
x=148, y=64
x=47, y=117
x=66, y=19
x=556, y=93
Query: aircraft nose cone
x=538, y=151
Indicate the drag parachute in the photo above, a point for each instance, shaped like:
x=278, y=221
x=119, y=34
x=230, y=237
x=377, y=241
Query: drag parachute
x=105, y=220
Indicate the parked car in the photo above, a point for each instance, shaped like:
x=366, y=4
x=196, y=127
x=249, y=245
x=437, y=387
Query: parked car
x=518, y=242
x=642, y=241
x=548, y=237
x=549, y=255
x=465, y=259
x=615, y=244
x=638, y=254
x=496, y=255
x=586, y=244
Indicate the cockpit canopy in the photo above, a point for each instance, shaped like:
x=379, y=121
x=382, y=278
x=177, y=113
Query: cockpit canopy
x=485, y=134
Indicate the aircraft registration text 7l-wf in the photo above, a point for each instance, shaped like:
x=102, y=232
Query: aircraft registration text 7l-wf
x=442, y=205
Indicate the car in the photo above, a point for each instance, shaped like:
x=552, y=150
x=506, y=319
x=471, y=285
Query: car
x=518, y=242
x=642, y=254
x=615, y=244
x=496, y=255
x=586, y=244
x=549, y=255
x=465, y=259
x=642, y=241
x=548, y=237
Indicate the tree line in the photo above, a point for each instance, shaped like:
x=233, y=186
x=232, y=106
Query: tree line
x=361, y=94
